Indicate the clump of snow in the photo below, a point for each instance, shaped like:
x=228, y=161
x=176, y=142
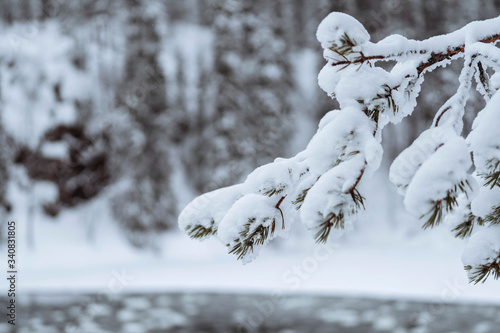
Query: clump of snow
x=486, y=199
x=361, y=85
x=495, y=81
x=409, y=161
x=209, y=209
x=459, y=214
x=338, y=31
x=484, y=139
x=339, y=139
x=336, y=25
x=278, y=175
x=256, y=209
x=438, y=176
x=330, y=194
x=327, y=118
x=328, y=78
x=482, y=248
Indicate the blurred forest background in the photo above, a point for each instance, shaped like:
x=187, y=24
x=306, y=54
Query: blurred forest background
x=144, y=104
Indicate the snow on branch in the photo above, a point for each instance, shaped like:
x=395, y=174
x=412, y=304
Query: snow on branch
x=321, y=186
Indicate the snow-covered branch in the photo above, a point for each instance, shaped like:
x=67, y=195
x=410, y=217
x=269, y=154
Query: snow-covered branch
x=320, y=186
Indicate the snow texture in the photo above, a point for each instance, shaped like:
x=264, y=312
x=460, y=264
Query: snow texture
x=482, y=247
x=438, y=176
x=405, y=166
x=254, y=207
x=486, y=199
x=333, y=28
x=330, y=195
x=484, y=139
x=209, y=207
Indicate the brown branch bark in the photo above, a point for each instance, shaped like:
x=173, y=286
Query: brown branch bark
x=433, y=59
x=282, y=216
x=362, y=172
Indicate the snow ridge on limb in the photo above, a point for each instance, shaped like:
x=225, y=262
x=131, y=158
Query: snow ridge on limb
x=320, y=186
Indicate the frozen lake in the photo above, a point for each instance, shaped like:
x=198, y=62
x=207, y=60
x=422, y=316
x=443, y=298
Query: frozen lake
x=191, y=312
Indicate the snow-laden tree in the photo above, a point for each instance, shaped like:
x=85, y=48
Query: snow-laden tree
x=442, y=175
x=144, y=203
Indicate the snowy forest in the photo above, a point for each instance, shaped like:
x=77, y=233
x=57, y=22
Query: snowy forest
x=114, y=115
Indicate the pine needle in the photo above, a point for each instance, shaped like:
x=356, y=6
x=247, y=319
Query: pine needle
x=332, y=221
x=247, y=240
x=300, y=198
x=445, y=205
x=482, y=272
x=198, y=231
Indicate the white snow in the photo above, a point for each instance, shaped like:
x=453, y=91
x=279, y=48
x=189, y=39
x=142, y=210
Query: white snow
x=482, y=247
x=280, y=174
x=333, y=28
x=438, y=176
x=330, y=194
x=252, y=207
x=486, y=199
x=348, y=131
x=209, y=207
x=484, y=139
x=409, y=161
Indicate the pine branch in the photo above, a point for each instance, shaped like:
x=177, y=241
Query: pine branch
x=199, y=232
x=247, y=240
x=357, y=198
x=337, y=221
x=445, y=205
x=493, y=179
x=464, y=229
x=483, y=81
x=372, y=113
x=379, y=103
x=433, y=59
x=345, y=47
x=300, y=198
x=450, y=53
x=281, y=212
x=459, y=99
x=494, y=217
x=493, y=176
x=332, y=221
x=273, y=191
x=388, y=97
x=482, y=272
